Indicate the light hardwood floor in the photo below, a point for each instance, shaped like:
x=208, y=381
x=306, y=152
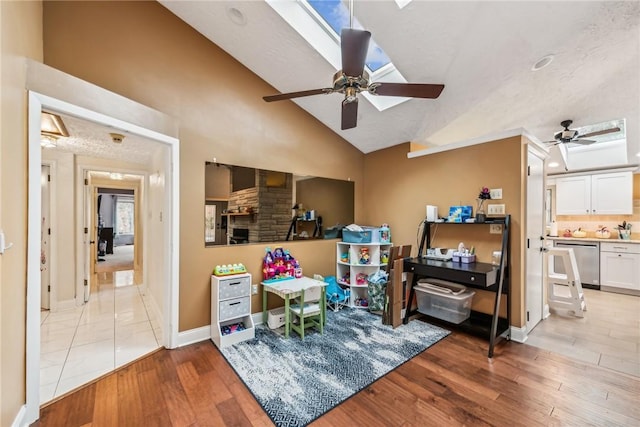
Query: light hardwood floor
x=608, y=335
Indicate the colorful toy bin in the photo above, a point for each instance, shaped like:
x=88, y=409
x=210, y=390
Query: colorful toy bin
x=280, y=265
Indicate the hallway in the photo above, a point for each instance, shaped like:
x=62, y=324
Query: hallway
x=115, y=327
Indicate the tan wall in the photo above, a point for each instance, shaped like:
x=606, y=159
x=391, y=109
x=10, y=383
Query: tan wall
x=143, y=52
x=399, y=194
x=21, y=36
x=330, y=199
x=218, y=182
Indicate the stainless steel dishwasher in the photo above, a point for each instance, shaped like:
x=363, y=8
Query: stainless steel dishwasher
x=588, y=260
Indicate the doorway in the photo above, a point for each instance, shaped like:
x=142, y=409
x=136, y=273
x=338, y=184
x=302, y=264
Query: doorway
x=45, y=239
x=168, y=254
x=535, y=239
x=118, y=224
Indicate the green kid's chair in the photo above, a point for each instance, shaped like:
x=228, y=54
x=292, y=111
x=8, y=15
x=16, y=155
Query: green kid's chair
x=310, y=310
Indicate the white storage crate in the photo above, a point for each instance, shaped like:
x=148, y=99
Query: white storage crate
x=444, y=300
x=275, y=318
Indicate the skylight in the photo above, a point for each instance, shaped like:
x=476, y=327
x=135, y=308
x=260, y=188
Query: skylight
x=320, y=22
x=335, y=13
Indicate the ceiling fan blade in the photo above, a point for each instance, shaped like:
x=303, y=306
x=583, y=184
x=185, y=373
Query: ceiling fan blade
x=599, y=132
x=583, y=141
x=300, y=94
x=349, y=114
x=409, y=90
x=354, y=45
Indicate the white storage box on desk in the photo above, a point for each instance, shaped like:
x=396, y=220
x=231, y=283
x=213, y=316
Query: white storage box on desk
x=444, y=300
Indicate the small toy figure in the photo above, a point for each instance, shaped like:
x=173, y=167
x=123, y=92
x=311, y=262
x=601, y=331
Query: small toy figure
x=361, y=279
x=344, y=257
x=278, y=253
x=364, y=256
x=268, y=258
x=385, y=234
x=346, y=278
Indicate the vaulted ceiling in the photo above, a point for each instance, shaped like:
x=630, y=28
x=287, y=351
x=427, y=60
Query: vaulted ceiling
x=483, y=51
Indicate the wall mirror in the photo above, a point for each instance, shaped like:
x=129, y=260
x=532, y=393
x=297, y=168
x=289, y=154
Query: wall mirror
x=248, y=205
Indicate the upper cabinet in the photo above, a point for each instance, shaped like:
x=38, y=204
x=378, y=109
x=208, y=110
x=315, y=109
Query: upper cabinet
x=597, y=194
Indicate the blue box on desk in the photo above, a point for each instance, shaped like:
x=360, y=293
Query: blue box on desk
x=460, y=213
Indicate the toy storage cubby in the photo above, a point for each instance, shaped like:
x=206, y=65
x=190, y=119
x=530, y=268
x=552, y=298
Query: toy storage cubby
x=355, y=262
x=231, y=306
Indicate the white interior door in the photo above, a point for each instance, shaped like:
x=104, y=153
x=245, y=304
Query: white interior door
x=89, y=243
x=535, y=240
x=45, y=241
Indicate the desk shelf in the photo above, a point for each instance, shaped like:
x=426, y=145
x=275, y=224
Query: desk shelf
x=477, y=275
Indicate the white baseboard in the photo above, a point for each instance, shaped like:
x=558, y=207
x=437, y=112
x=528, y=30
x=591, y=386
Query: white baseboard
x=519, y=334
x=193, y=336
x=545, y=311
x=203, y=333
x=19, y=420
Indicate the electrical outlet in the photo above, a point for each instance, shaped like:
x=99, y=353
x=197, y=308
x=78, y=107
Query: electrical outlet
x=254, y=289
x=496, y=193
x=495, y=229
x=495, y=209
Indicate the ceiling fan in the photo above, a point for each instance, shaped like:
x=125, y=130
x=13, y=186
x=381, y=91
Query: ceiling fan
x=573, y=136
x=353, y=79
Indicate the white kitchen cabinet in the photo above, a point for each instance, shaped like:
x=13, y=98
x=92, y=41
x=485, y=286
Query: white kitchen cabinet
x=597, y=194
x=620, y=267
x=230, y=307
x=573, y=195
x=350, y=271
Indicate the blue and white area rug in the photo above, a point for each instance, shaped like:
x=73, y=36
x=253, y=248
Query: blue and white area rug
x=297, y=381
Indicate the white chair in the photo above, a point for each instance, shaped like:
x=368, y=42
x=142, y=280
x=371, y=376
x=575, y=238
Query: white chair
x=310, y=310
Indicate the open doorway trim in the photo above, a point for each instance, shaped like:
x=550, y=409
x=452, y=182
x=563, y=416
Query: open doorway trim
x=140, y=243
x=37, y=102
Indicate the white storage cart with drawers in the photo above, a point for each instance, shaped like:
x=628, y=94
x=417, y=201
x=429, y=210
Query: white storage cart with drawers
x=230, y=308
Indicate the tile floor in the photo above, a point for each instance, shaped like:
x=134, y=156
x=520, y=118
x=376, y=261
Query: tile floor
x=608, y=335
x=114, y=328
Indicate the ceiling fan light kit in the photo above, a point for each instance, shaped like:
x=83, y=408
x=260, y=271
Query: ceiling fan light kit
x=353, y=79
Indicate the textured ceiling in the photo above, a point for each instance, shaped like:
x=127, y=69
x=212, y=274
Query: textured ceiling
x=93, y=140
x=482, y=51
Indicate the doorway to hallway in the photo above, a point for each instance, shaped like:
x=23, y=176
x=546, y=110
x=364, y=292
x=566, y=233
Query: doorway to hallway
x=165, y=171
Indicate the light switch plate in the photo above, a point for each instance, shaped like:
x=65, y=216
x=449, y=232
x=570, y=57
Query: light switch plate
x=495, y=229
x=496, y=209
x=496, y=193
x=254, y=289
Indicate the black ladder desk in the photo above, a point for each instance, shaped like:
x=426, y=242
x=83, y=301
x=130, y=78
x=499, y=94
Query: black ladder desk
x=478, y=275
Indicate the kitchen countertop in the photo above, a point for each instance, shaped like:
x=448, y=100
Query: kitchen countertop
x=592, y=239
